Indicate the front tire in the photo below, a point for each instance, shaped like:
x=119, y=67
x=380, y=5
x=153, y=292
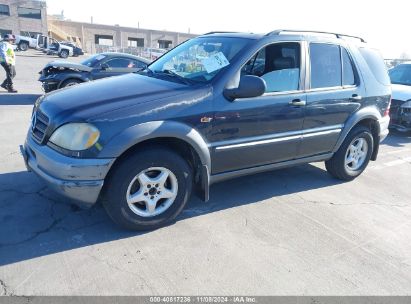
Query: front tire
x=70, y=83
x=23, y=46
x=148, y=189
x=353, y=156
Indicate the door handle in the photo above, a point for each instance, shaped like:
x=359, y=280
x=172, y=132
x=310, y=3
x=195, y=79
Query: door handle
x=356, y=97
x=297, y=102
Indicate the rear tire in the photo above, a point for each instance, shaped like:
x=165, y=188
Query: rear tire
x=353, y=156
x=136, y=183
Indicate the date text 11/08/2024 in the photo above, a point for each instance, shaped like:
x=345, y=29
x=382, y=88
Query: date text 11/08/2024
x=203, y=299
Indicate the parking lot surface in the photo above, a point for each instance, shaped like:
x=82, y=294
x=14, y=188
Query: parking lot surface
x=295, y=231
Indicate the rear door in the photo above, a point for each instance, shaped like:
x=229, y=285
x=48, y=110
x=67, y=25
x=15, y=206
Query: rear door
x=335, y=93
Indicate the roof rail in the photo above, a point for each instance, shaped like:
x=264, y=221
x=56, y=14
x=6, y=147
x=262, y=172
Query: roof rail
x=277, y=32
x=219, y=32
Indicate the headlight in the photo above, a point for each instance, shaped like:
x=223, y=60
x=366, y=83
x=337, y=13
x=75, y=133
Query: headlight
x=75, y=136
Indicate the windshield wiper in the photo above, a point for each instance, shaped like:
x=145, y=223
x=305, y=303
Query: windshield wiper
x=174, y=74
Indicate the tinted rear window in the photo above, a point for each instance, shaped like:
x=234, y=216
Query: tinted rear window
x=376, y=65
x=348, y=71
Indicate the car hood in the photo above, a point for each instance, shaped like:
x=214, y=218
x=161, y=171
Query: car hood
x=86, y=101
x=68, y=65
x=401, y=92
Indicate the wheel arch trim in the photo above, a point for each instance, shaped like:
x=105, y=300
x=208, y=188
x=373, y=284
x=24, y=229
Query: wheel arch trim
x=158, y=129
x=134, y=135
x=74, y=77
x=363, y=114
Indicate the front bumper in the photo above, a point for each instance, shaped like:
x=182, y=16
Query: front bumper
x=49, y=86
x=401, y=119
x=78, y=179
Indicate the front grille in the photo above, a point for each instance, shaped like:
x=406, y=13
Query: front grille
x=39, y=125
x=396, y=104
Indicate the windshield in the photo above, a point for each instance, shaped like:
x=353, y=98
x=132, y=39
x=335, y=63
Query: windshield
x=92, y=61
x=199, y=59
x=401, y=74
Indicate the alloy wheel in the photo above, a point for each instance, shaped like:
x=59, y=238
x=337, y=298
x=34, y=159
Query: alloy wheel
x=356, y=154
x=152, y=192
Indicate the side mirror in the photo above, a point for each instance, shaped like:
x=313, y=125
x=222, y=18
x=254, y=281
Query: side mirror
x=250, y=86
x=105, y=66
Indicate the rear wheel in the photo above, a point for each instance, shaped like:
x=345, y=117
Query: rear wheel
x=353, y=156
x=148, y=189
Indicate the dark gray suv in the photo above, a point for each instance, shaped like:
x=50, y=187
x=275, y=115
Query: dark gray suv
x=216, y=107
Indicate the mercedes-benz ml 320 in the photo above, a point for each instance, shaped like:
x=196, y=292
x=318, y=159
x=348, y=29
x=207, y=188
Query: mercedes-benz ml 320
x=218, y=106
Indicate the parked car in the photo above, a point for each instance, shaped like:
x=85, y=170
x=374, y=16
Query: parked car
x=28, y=40
x=61, y=74
x=143, y=142
x=63, y=49
x=401, y=97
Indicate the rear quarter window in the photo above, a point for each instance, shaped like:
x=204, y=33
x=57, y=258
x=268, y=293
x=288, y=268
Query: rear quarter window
x=376, y=64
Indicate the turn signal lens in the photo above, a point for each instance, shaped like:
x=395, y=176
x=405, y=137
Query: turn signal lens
x=387, y=111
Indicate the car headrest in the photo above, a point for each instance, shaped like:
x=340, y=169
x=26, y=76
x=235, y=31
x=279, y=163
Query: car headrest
x=284, y=63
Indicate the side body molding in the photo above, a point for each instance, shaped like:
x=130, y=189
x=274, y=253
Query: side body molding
x=370, y=112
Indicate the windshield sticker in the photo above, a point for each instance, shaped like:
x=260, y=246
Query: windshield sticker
x=100, y=57
x=215, y=62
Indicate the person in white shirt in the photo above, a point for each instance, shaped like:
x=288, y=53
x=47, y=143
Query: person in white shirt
x=8, y=62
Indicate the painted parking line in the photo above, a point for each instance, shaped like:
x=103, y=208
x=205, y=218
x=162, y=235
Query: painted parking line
x=398, y=151
x=393, y=163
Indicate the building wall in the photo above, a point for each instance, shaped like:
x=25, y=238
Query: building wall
x=87, y=32
x=17, y=24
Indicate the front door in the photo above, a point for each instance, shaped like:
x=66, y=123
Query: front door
x=263, y=130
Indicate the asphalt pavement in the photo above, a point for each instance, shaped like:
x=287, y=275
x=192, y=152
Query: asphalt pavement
x=294, y=231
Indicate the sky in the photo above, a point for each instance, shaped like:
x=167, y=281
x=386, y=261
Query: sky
x=383, y=24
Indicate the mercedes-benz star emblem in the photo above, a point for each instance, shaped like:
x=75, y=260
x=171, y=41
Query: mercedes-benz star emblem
x=33, y=121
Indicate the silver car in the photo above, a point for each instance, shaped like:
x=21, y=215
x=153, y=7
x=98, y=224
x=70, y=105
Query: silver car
x=401, y=97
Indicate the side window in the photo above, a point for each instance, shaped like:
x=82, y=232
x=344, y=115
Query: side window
x=278, y=64
x=139, y=64
x=256, y=65
x=325, y=65
x=348, y=71
x=376, y=64
x=121, y=63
